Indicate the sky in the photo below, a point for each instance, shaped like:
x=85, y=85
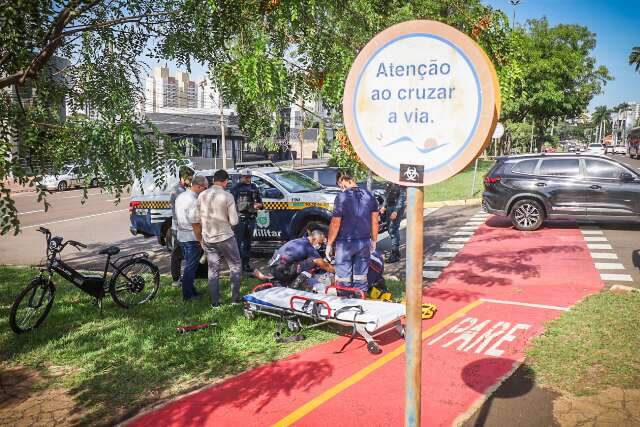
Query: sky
x=616, y=24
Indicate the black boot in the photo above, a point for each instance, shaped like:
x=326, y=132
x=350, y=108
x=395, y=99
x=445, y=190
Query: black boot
x=393, y=257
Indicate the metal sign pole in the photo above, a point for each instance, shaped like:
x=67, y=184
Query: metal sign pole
x=413, y=337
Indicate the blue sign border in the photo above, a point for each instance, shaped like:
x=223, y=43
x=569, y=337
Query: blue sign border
x=475, y=76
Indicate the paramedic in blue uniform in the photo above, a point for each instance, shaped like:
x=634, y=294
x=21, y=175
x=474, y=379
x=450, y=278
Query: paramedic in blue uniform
x=394, y=206
x=299, y=256
x=248, y=202
x=353, y=232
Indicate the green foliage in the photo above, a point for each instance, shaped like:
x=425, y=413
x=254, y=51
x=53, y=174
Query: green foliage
x=634, y=57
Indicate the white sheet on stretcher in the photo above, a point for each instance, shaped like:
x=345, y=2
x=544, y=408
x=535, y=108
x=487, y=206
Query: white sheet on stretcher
x=376, y=313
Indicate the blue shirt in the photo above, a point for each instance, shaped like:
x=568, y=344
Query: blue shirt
x=297, y=250
x=354, y=206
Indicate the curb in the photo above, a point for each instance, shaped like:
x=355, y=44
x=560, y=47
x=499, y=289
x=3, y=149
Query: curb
x=466, y=202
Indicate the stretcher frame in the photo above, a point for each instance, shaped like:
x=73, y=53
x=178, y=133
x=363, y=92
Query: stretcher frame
x=292, y=318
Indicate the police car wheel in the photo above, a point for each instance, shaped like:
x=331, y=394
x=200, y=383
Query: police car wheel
x=249, y=315
x=293, y=326
x=62, y=186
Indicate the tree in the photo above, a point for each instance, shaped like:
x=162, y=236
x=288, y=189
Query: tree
x=103, y=43
x=634, y=57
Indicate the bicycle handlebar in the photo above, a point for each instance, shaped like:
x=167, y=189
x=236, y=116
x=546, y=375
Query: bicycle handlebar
x=74, y=243
x=44, y=230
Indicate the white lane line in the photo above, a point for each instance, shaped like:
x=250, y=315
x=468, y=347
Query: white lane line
x=592, y=232
x=598, y=246
x=429, y=274
x=445, y=254
x=121, y=198
x=595, y=239
x=75, y=197
x=472, y=223
x=609, y=266
x=452, y=246
x=30, y=212
x=463, y=233
x=74, y=219
x=603, y=255
x=459, y=239
x=616, y=277
x=525, y=304
x=473, y=228
x=432, y=263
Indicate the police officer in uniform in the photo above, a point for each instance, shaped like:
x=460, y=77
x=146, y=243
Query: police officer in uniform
x=248, y=202
x=394, y=207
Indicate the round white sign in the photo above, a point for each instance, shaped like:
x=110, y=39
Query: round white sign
x=420, y=102
x=497, y=134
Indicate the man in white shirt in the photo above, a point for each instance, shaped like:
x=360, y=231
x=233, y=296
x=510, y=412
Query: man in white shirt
x=185, y=215
x=216, y=215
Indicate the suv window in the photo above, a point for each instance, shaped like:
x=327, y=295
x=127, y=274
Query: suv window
x=560, y=167
x=525, y=166
x=261, y=183
x=602, y=169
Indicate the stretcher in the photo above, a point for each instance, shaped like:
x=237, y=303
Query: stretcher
x=367, y=318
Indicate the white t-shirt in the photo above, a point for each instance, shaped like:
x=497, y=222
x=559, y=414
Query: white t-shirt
x=186, y=215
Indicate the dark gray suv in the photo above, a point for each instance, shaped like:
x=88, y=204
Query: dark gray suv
x=530, y=188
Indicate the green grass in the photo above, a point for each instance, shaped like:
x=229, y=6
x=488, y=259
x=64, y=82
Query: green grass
x=129, y=358
x=595, y=345
x=459, y=186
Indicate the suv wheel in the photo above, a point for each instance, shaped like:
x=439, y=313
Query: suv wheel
x=62, y=186
x=94, y=182
x=527, y=215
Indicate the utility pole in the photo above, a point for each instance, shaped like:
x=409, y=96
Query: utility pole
x=222, y=136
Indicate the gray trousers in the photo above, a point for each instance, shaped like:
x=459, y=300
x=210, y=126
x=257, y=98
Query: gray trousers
x=227, y=249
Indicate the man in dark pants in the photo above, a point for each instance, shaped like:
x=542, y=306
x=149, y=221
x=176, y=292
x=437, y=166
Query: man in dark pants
x=394, y=205
x=248, y=202
x=186, y=174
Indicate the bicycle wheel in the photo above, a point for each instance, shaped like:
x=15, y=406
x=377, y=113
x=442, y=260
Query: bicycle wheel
x=136, y=282
x=31, y=306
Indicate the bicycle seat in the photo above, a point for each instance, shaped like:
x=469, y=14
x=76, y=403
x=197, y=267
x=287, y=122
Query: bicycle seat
x=111, y=250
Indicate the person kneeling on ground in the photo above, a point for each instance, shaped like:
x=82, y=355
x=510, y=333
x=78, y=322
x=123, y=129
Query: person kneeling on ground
x=294, y=262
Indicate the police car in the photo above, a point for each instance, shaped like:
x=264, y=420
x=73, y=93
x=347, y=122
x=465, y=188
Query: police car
x=291, y=201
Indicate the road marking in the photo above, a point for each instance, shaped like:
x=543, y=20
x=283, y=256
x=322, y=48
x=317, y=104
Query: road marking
x=473, y=228
x=463, y=233
x=431, y=274
x=609, y=266
x=591, y=232
x=364, y=372
x=74, y=219
x=616, y=277
x=452, y=246
x=603, y=255
x=88, y=194
x=432, y=263
x=525, y=304
x=459, y=239
x=445, y=254
x=594, y=239
x=121, y=198
x=472, y=223
x=598, y=246
x=30, y=212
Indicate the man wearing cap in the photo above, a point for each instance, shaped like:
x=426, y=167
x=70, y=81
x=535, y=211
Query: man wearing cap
x=248, y=202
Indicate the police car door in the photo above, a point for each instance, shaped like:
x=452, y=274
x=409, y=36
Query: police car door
x=272, y=221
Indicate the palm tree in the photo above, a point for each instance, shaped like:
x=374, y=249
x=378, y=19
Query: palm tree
x=634, y=57
x=600, y=117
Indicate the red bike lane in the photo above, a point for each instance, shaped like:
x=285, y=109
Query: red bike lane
x=493, y=298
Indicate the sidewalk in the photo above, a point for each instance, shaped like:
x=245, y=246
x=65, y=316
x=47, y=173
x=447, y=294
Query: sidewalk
x=15, y=188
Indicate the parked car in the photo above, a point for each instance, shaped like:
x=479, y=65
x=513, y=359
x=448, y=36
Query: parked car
x=618, y=149
x=596, y=149
x=531, y=188
x=69, y=176
x=633, y=143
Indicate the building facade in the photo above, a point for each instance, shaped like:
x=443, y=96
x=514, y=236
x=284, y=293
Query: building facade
x=624, y=121
x=164, y=91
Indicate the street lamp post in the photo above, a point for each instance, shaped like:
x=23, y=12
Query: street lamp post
x=514, y=3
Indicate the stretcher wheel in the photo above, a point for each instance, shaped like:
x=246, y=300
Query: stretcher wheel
x=373, y=348
x=249, y=315
x=293, y=326
x=403, y=332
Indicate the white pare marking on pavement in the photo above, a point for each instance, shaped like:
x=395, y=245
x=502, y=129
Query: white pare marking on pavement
x=616, y=277
x=436, y=263
x=445, y=254
x=609, y=266
x=598, y=246
x=431, y=274
x=472, y=223
x=121, y=198
x=463, y=233
x=603, y=255
x=75, y=197
x=472, y=228
x=74, y=219
x=452, y=246
x=594, y=239
x=525, y=304
x=473, y=334
x=30, y=212
x=592, y=232
x=459, y=239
